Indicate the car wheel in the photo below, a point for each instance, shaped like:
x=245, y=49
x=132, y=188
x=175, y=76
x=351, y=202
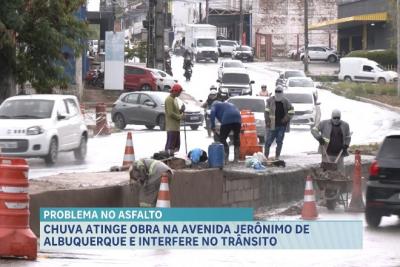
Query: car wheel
x=51, y=157
x=332, y=59
x=167, y=88
x=81, y=151
x=373, y=218
x=145, y=87
x=150, y=127
x=381, y=81
x=197, y=59
x=194, y=127
x=347, y=79
x=161, y=122
x=261, y=139
x=216, y=60
x=119, y=121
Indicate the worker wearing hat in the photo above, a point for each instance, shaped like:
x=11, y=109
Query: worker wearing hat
x=334, y=138
x=173, y=117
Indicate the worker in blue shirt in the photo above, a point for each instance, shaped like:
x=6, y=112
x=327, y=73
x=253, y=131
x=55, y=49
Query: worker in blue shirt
x=229, y=117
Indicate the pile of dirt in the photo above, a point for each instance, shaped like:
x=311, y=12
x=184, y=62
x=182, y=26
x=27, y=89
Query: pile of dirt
x=369, y=149
x=292, y=210
x=328, y=175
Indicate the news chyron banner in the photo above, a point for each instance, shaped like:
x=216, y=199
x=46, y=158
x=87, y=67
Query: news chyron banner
x=188, y=228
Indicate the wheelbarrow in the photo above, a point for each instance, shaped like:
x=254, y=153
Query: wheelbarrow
x=334, y=191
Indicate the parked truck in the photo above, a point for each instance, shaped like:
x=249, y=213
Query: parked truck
x=201, y=39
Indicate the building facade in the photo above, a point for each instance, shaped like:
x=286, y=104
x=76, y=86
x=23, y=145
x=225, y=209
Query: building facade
x=283, y=20
x=363, y=25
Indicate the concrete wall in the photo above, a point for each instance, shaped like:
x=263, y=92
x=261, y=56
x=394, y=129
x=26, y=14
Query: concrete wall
x=191, y=188
x=284, y=19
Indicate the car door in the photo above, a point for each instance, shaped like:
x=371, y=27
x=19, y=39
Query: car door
x=63, y=127
x=367, y=74
x=147, y=109
x=75, y=121
x=129, y=108
x=129, y=77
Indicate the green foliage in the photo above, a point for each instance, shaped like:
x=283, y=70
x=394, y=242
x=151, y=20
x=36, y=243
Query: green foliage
x=42, y=29
x=139, y=50
x=383, y=57
x=363, y=89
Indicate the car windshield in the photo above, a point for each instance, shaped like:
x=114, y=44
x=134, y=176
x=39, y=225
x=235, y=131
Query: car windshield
x=380, y=68
x=390, y=148
x=243, y=48
x=255, y=105
x=300, y=83
x=206, y=42
x=26, y=109
x=239, y=78
x=294, y=74
x=233, y=64
x=299, y=98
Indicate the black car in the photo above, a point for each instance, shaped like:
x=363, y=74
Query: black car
x=243, y=53
x=383, y=188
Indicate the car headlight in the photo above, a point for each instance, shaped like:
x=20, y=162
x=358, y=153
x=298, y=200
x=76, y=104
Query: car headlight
x=224, y=90
x=34, y=130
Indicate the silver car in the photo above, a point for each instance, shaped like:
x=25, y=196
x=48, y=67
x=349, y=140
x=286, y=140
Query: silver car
x=255, y=104
x=147, y=108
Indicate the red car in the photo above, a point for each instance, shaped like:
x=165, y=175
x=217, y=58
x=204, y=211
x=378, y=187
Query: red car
x=138, y=78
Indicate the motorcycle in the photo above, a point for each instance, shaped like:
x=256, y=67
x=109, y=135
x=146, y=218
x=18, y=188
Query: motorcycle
x=95, y=78
x=188, y=73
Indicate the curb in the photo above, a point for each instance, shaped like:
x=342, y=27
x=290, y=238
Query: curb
x=377, y=103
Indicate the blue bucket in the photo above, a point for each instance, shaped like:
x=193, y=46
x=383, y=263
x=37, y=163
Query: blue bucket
x=216, y=155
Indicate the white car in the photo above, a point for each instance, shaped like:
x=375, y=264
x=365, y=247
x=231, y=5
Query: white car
x=306, y=110
x=321, y=53
x=255, y=104
x=164, y=80
x=299, y=83
x=225, y=47
x=229, y=64
x=42, y=126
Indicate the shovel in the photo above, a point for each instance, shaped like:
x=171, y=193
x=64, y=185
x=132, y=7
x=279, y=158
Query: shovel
x=330, y=166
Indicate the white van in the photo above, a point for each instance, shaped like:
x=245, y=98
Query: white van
x=364, y=70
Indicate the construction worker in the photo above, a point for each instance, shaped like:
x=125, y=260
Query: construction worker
x=147, y=174
x=334, y=138
x=264, y=91
x=278, y=114
x=229, y=117
x=173, y=117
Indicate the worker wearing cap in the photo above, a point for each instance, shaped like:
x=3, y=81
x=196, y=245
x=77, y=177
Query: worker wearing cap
x=264, y=91
x=173, y=117
x=147, y=173
x=278, y=114
x=333, y=136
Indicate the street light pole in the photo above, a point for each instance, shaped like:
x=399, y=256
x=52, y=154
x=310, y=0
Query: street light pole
x=305, y=58
x=241, y=22
x=398, y=47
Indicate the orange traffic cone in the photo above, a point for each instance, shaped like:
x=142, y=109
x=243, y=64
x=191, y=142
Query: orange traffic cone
x=163, y=200
x=129, y=156
x=356, y=203
x=309, y=211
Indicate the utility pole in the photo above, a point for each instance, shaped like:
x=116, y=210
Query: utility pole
x=305, y=59
x=206, y=11
x=241, y=22
x=200, y=14
x=150, y=38
x=159, y=34
x=398, y=47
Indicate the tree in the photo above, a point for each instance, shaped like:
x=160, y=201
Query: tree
x=33, y=34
